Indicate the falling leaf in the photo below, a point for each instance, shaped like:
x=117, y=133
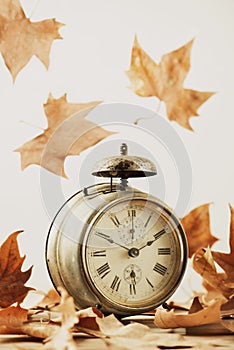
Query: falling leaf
x=226, y=261
x=12, y=279
x=170, y=319
x=12, y=318
x=165, y=81
x=20, y=38
x=197, y=228
x=203, y=264
x=68, y=133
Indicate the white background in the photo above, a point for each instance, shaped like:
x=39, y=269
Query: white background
x=90, y=64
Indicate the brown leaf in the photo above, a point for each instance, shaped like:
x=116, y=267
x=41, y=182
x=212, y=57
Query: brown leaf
x=49, y=301
x=203, y=264
x=169, y=319
x=135, y=336
x=68, y=133
x=226, y=260
x=197, y=229
x=12, y=318
x=20, y=38
x=62, y=338
x=165, y=81
x=87, y=320
x=41, y=330
x=12, y=279
x=227, y=312
x=57, y=335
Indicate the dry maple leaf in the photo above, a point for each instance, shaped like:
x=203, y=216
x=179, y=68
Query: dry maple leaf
x=68, y=133
x=197, y=229
x=20, y=38
x=165, y=81
x=57, y=335
x=50, y=300
x=12, y=318
x=138, y=336
x=170, y=319
x=204, y=265
x=126, y=337
x=226, y=261
x=12, y=279
x=62, y=339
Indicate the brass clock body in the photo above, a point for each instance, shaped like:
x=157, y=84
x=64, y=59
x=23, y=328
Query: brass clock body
x=116, y=248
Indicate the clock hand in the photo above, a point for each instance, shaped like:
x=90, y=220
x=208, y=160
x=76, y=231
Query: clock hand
x=156, y=236
x=133, y=276
x=132, y=230
x=109, y=239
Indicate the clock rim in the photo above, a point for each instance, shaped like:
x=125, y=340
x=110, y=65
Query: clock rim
x=106, y=304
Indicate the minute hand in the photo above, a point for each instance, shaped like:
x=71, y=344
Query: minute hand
x=156, y=236
x=109, y=239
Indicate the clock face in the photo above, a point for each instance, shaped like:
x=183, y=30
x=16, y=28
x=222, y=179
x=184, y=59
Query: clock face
x=134, y=254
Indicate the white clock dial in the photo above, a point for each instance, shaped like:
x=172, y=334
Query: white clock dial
x=133, y=253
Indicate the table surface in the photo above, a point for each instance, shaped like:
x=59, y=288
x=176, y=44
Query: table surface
x=216, y=342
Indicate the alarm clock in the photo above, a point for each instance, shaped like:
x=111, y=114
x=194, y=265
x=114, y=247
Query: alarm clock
x=115, y=247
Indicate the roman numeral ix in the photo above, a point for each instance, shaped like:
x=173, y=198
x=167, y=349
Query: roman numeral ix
x=98, y=253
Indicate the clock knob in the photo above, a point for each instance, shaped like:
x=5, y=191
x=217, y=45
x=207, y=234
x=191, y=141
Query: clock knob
x=124, y=166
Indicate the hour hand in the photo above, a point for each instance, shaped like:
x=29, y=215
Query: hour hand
x=156, y=237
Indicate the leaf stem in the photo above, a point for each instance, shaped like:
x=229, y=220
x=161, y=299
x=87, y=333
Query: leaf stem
x=32, y=125
x=34, y=8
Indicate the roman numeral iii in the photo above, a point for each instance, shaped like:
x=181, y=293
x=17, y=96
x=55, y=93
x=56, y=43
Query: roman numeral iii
x=164, y=251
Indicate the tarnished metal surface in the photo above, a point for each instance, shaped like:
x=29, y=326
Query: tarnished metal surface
x=124, y=166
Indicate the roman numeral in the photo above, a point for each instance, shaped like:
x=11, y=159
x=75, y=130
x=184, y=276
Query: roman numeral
x=115, y=220
x=148, y=220
x=160, y=269
x=104, y=270
x=115, y=283
x=164, y=251
x=132, y=289
x=132, y=213
x=98, y=253
x=148, y=281
x=159, y=234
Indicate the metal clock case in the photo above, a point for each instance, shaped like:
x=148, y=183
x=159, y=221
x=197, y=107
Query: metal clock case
x=115, y=247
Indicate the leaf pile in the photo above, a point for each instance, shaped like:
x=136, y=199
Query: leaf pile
x=56, y=320
x=165, y=81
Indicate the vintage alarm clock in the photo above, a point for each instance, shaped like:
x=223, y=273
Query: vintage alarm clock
x=115, y=247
